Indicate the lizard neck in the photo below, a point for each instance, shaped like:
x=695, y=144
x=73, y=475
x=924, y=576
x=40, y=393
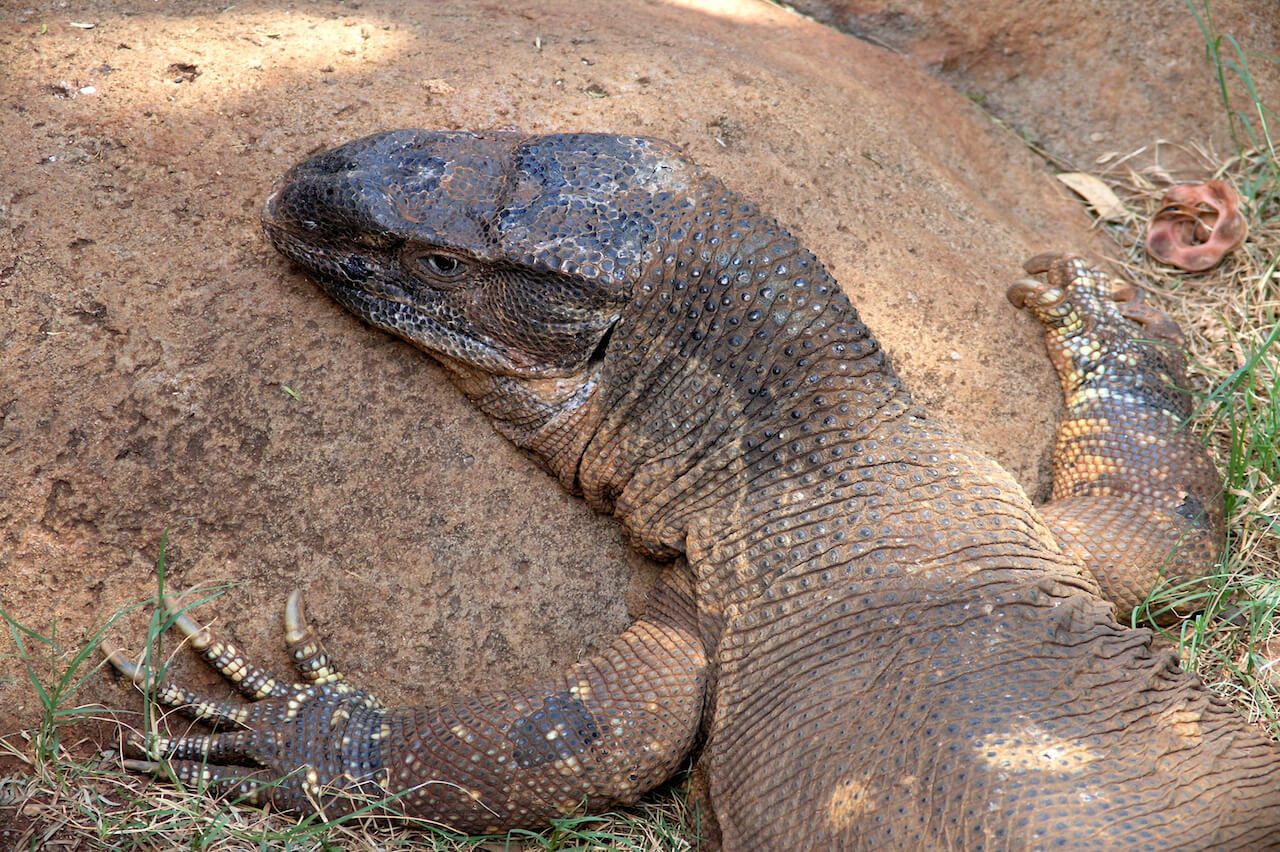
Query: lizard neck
x=746, y=416
x=551, y=418
x=737, y=340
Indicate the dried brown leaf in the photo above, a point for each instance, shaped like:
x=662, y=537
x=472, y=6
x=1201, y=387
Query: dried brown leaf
x=1100, y=197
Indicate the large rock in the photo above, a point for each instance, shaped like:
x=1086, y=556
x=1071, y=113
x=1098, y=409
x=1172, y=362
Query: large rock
x=151, y=342
x=1085, y=78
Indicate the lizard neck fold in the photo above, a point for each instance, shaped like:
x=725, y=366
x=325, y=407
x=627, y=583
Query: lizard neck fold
x=550, y=418
x=737, y=343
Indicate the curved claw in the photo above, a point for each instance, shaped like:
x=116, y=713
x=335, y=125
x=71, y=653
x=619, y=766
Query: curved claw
x=1155, y=323
x=305, y=647
x=1126, y=292
x=150, y=767
x=1041, y=262
x=123, y=664
x=200, y=637
x=1060, y=269
x=295, y=618
x=1027, y=293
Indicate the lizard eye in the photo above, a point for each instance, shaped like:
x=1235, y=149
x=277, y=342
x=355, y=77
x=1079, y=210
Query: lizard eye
x=434, y=266
x=442, y=264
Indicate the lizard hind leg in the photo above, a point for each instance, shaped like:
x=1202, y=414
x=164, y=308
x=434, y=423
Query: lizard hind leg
x=1136, y=497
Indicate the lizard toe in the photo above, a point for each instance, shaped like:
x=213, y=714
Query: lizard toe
x=305, y=646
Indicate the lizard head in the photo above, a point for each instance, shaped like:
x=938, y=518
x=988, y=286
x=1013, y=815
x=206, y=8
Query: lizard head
x=508, y=258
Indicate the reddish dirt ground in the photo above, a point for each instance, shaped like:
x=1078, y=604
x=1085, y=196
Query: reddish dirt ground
x=1084, y=79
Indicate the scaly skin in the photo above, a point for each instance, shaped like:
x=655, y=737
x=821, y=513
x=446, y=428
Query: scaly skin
x=873, y=639
x=1135, y=496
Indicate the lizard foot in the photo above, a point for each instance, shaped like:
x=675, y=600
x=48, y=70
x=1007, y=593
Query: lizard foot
x=1135, y=496
x=306, y=746
x=1081, y=303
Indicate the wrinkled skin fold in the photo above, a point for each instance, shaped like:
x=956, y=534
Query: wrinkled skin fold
x=867, y=637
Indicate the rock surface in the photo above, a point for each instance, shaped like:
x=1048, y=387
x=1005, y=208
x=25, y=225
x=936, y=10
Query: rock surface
x=1082, y=79
x=161, y=368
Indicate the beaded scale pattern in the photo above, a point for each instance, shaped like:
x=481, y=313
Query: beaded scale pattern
x=867, y=636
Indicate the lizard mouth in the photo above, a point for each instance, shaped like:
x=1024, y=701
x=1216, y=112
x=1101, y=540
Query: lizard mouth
x=358, y=274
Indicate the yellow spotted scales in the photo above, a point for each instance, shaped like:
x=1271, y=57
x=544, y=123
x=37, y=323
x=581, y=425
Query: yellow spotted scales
x=1135, y=497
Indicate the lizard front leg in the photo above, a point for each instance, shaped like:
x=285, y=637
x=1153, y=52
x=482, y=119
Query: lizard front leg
x=599, y=734
x=1136, y=497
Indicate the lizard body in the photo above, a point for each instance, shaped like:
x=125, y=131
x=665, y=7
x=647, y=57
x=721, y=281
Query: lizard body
x=867, y=634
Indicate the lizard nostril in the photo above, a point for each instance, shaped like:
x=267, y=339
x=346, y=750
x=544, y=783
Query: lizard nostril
x=355, y=268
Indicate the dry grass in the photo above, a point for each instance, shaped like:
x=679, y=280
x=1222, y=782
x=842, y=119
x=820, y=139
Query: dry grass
x=1230, y=314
